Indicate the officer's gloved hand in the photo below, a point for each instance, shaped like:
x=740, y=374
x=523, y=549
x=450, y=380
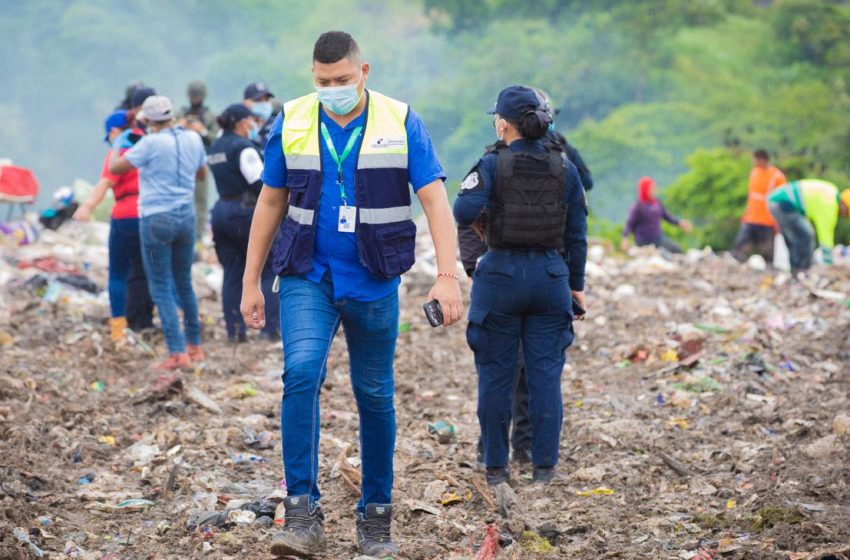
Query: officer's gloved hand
x=827, y=255
x=122, y=141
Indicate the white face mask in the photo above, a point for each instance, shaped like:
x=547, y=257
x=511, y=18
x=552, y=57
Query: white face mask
x=500, y=136
x=340, y=100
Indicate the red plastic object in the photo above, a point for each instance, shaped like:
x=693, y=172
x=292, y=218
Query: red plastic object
x=490, y=546
x=17, y=185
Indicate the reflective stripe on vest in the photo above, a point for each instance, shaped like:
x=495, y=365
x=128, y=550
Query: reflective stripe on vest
x=385, y=215
x=301, y=215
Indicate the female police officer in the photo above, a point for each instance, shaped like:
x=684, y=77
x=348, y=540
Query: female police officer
x=237, y=167
x=530, y=202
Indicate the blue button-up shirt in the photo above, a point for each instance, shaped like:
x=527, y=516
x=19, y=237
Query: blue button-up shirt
x=334, y=250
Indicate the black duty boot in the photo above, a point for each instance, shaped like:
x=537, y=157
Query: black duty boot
x=303, y=533
x=522, y=455
x=544, y=475
x=497, y=475
x=373, y=531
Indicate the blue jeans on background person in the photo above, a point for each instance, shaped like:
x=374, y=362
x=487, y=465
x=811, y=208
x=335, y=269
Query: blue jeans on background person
x=231, y=224
x=124, y=253
x=798, y=233
x=168, y=240
x=520, y=296
x=310, y=318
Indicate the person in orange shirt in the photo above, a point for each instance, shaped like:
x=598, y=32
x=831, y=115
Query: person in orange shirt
x=757, y=225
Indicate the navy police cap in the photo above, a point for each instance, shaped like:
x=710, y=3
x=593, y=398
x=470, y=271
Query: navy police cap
x=237, y=111
x=515, y=101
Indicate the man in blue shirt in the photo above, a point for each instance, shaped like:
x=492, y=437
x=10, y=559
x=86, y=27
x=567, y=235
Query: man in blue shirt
x=336, y=196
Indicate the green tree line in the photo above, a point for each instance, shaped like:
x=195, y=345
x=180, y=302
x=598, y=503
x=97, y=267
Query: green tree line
x=682, y=90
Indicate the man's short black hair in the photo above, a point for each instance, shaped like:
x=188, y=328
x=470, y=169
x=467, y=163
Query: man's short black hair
x=333, y=46
x=761, y=154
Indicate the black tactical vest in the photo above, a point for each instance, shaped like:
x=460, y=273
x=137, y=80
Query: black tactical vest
x=223, y=160
x=527, y=210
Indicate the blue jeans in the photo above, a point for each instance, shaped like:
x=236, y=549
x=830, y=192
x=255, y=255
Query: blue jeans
x=231, y=224
x=520, y=296
x=124, y=254
x=310, y=318
x=168, y=240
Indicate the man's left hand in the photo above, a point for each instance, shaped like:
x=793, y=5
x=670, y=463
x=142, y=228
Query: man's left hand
x=446, y=290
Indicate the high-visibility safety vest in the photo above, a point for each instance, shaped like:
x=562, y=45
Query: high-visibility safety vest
x=386, y=234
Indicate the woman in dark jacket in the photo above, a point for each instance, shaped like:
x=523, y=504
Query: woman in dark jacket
x=645, y=217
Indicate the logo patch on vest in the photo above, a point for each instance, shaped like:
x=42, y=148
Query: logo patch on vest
x=214, y=159
x=470, y=182
x=383, y=142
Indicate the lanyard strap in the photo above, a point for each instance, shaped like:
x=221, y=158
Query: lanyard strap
x=339, y=159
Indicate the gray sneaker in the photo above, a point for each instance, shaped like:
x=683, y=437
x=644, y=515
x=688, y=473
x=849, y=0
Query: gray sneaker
x=303, y=533
x=373, y=531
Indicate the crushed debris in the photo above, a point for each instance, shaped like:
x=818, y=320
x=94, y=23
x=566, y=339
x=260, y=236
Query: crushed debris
x=706, y=416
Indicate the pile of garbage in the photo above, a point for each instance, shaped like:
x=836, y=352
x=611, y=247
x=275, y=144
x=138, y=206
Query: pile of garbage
x=707, y=416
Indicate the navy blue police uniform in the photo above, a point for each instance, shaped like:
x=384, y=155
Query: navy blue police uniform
x=231, y=225
x=537, y=250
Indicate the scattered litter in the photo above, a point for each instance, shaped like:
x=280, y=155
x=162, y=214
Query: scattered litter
x=490, y=545
x=759, y=388
x=444, y=431
x=135, y=504
x=679, y=422
x=87, y=478
x=253, y=440
x=241, y=517
x=240, y=458
x=198, y=397
x=23, y=536
x=450, y=499
x=601, y=491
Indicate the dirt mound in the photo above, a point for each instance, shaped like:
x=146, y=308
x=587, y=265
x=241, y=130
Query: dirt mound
x=706, y=416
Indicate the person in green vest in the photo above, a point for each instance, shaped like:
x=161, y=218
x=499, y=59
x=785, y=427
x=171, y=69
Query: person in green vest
x=797, y=206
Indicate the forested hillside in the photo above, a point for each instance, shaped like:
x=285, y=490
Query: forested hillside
x=642, y=86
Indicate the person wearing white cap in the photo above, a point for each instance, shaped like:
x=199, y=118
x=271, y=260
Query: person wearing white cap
x=169, y=159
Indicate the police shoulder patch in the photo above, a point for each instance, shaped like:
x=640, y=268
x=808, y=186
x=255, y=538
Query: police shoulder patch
x=472, y=180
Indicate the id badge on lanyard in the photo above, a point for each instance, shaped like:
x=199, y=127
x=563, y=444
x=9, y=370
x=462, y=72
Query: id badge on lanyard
x=347, y=221
x=347, y=218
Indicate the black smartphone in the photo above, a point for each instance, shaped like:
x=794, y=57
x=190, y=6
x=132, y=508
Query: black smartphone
x=134, y=137
x=578, y=310
x=434, y=313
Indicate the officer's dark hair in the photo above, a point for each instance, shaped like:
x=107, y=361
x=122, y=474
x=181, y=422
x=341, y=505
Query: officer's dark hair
x=761, y=154
x=533, y=124
x=333, y=46
x=226, y=121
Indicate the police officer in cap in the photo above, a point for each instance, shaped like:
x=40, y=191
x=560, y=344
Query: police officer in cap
x=472, y=247
x=237, y=168
x=259, y=100
x=531, y=204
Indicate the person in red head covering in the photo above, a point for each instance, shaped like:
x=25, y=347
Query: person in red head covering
x=645, y=217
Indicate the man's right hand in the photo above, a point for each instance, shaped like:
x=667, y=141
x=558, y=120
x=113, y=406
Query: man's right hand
x=624, y=245
x=253, y=306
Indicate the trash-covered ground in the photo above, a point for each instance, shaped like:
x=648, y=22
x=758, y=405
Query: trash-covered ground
x=707, y=416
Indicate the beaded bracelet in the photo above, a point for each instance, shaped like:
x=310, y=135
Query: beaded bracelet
x=448, y=275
